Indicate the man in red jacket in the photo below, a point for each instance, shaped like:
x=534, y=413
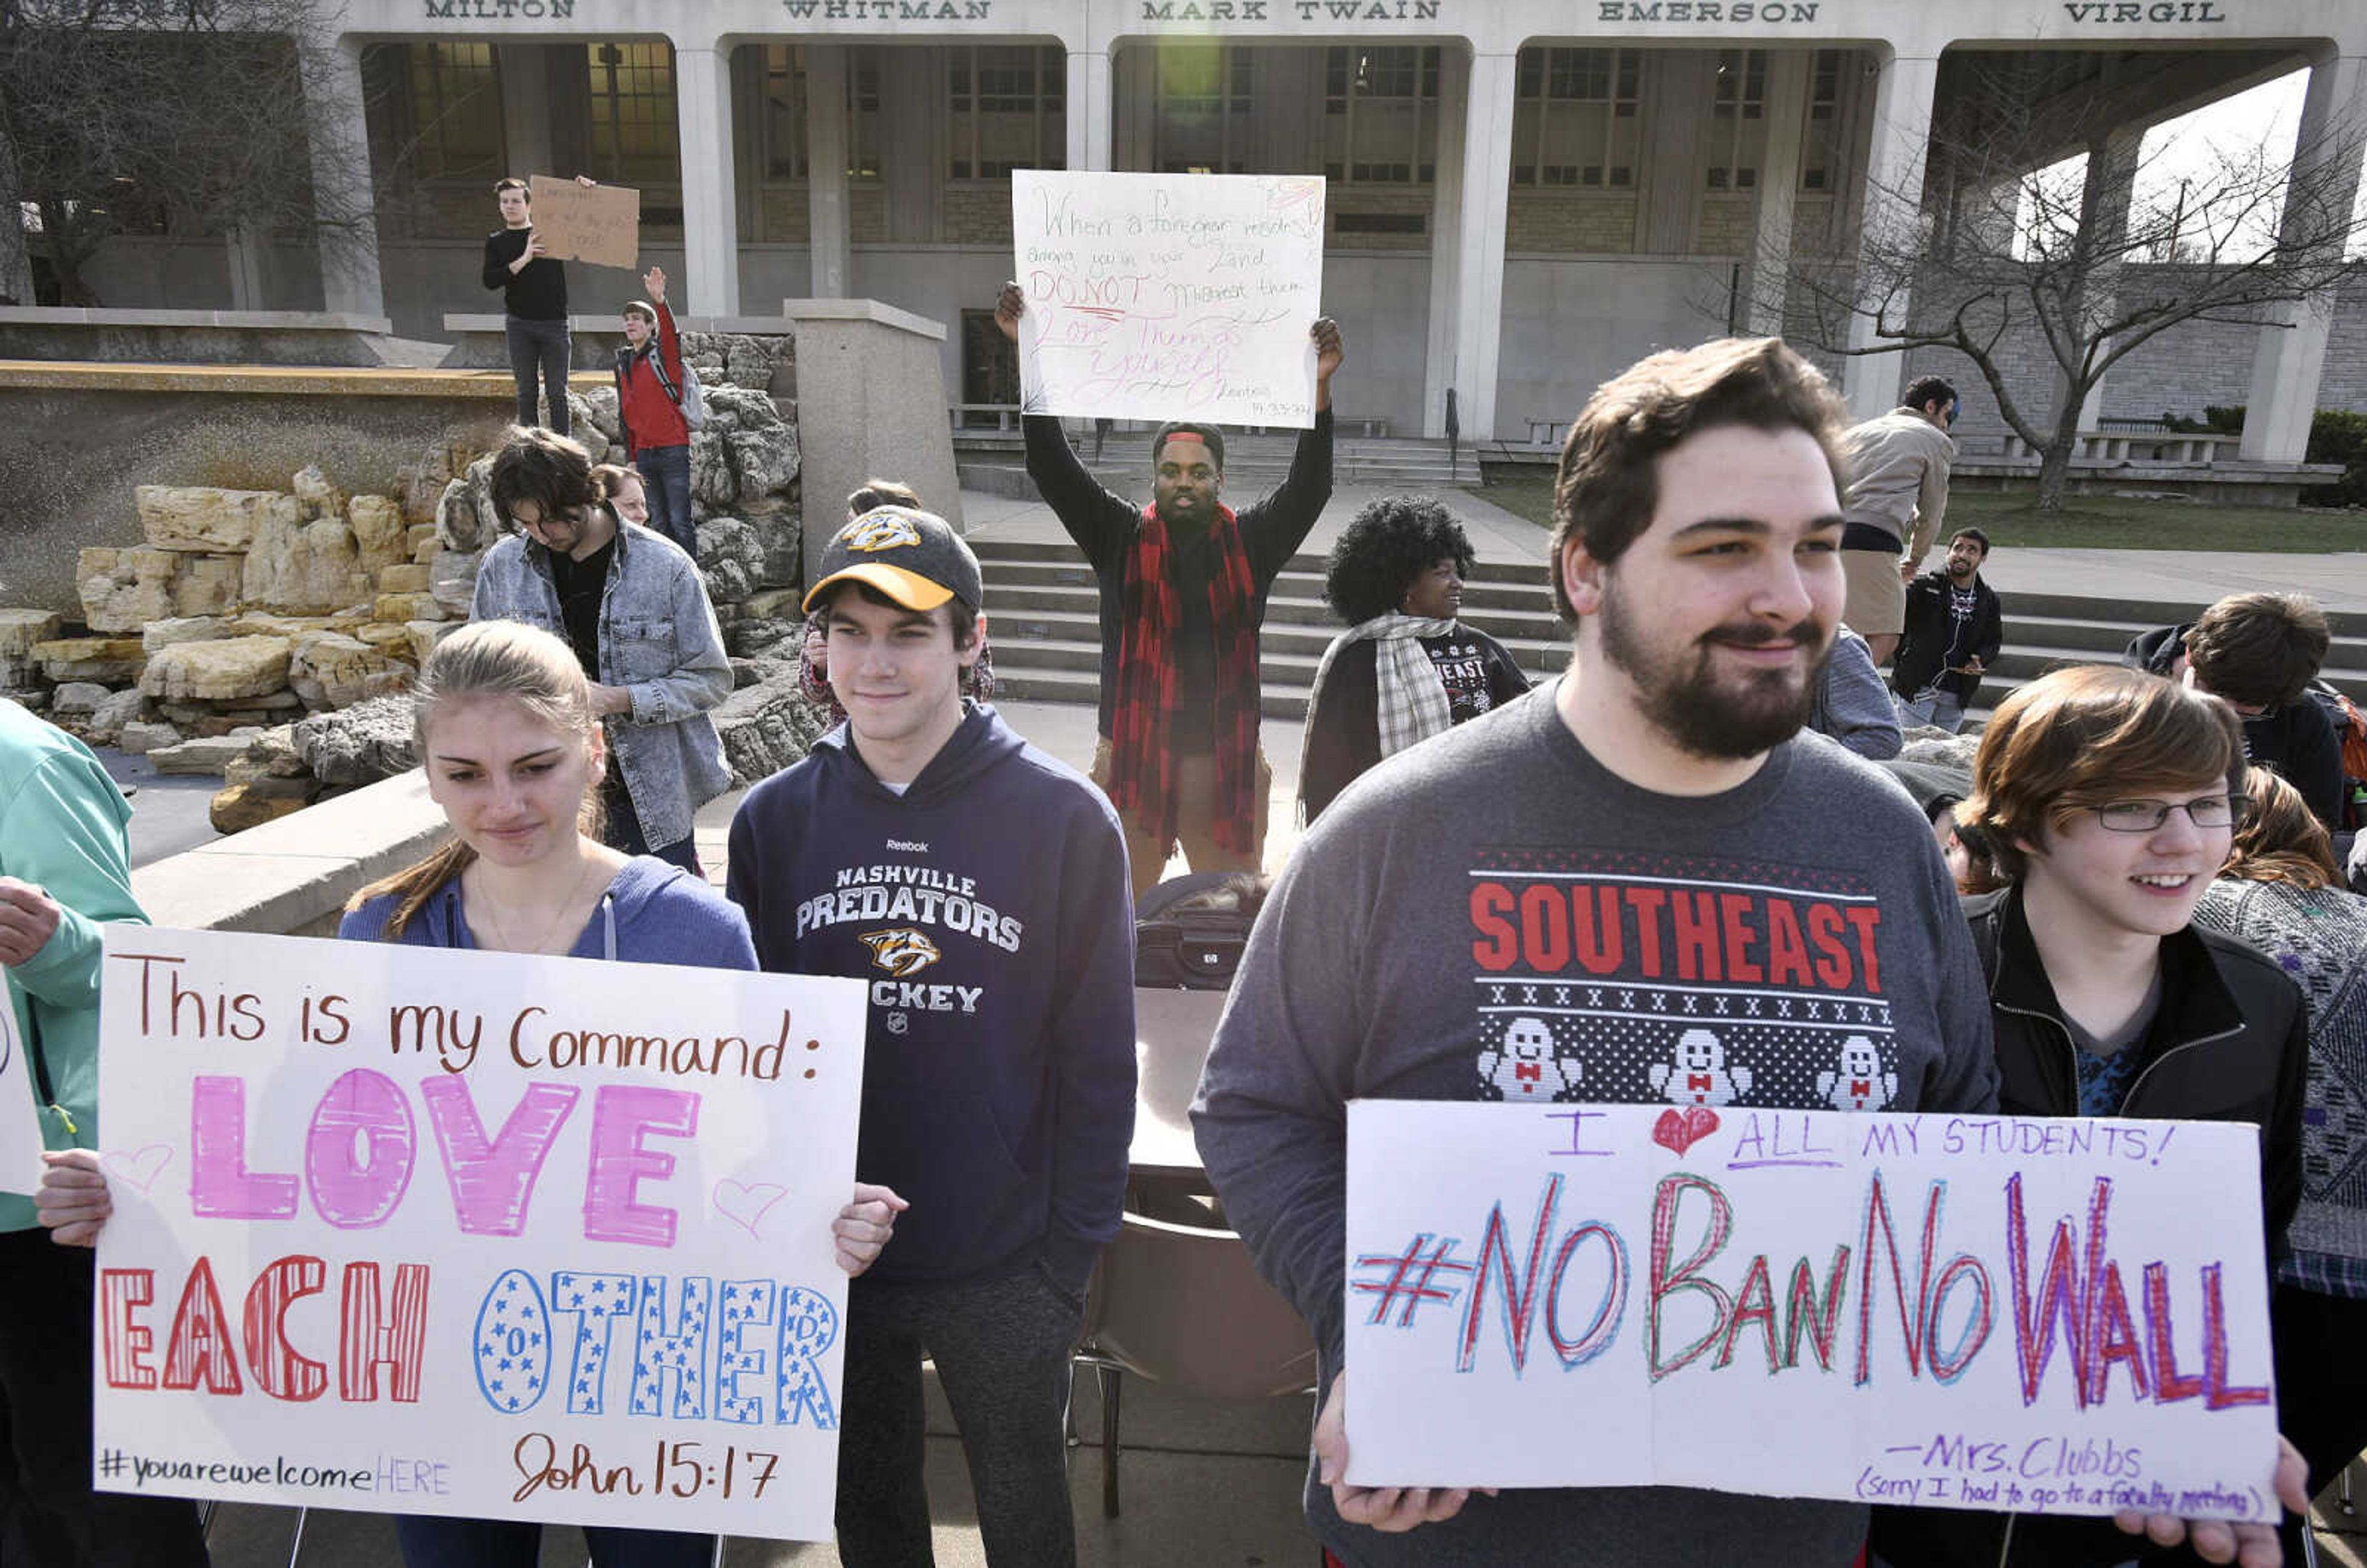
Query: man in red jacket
x=650, y=386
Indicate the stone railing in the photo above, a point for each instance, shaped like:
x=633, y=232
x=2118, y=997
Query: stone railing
x=195, y=337
x=291, y=877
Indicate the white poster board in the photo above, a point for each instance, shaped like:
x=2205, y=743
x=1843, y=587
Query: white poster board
x=2051, y=1317
x=1161, y=297
x=421, y=1230
x=20, y=1122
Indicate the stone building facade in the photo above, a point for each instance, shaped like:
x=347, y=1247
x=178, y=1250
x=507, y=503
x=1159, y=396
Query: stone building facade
x=1524, y=194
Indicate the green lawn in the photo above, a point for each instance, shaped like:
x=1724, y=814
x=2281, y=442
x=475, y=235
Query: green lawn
x=2087, y=521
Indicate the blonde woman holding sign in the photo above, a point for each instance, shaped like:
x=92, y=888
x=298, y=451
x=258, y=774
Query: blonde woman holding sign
x=503, y=714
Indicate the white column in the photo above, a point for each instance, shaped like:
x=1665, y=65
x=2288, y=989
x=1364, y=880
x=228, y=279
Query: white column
x=828, y=223
x=342, y=197
x=1446, y=246
x=525, y=109
x=1894, y=184
x=2291, y=353
x=1479, y=244
x=710, y=208
x=1769, y=262
x=1669, y=207
x=1088, y=121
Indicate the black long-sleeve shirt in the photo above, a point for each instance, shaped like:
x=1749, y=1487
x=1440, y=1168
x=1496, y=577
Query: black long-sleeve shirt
x=536, y=291
x=1103, y=524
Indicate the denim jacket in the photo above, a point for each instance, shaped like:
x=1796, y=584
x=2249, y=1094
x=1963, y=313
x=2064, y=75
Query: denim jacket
x=660, y=641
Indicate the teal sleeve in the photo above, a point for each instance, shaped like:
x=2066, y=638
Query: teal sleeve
x=63, y=832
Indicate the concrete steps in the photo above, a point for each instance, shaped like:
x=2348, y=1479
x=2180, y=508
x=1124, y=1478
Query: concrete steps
x=1045, y=612
x=996, y=463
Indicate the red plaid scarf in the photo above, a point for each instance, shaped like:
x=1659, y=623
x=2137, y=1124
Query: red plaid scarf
x=1142, y=767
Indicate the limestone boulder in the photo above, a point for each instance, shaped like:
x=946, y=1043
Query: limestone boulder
x=766, y=727
x=113, y=712
x=362, y=744
x=407, y=578
x=748, y=637
x=425, y=634
x=422, y=486
x=197, y=517
x=424, y=543
x=239, y=806
x=378, y=635
x=158, y=635
x=732, y=556
x=127, y=590
x=775, y=604
x=271, y=754
x=600, y=440
x=20, y=629
x=712, y=485
x=396, y=608
x=452, y=579
x=303, y=568
x=75, y=698
x=143, y=736
x=206, y=754
x=764, y=462
x=223, y=669
x=381, y=534
x=465, y=517
x=331, y=670
x=208, y=585
x=109, y=660
x=599, y=409
x=315, y=495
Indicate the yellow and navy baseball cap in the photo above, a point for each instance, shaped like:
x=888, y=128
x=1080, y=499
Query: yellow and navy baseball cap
x=915, y=557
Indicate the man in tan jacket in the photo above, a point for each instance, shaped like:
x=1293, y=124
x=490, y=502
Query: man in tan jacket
x=1897, y=494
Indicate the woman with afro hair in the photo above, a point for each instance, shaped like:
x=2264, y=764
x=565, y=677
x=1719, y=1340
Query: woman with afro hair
x=1405, y=668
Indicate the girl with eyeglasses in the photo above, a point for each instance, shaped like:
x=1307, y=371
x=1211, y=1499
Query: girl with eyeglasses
x=2107, y=799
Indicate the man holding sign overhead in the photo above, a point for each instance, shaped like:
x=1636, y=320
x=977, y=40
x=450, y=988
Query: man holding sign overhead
x=1184, y=584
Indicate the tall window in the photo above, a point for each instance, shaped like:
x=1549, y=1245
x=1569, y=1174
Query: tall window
x=785, y=112
x=863, y=112
x=635, y=135
x=451, y=110
x=1575, y=117
x=1005, y=103
x=1820, y=144
x=1202, y=110
x=1380, y=115
x=1738, y=138
x=786, y=95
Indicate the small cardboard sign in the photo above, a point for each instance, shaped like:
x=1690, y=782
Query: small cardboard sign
x=600, y=225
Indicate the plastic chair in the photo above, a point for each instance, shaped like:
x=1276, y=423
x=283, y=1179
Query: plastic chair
x=1183, y=1305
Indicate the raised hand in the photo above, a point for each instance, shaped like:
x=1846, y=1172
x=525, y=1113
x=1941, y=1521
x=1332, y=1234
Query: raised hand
x=654, y=281
x=1009, y=305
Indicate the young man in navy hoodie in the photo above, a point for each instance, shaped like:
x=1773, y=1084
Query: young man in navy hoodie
x=981, y=887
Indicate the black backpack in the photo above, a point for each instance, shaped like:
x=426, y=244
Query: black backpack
x=1197, y=948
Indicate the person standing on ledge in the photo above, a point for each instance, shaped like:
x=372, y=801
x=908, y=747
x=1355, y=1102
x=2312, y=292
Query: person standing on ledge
x=1897, y=494
x=1184, y=584
x=534, y=302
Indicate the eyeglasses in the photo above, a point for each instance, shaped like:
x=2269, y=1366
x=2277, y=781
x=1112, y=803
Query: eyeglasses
x=2145, y=816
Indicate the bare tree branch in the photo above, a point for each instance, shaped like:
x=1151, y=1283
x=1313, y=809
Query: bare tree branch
x=2005, y=245
x=181, y=116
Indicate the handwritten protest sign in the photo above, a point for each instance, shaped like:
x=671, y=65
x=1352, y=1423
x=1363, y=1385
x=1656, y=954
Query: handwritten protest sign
x=598, y=224
x=1169, y=295
x=2053, y=1317
x=420, y=1230
x=20, y=1127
